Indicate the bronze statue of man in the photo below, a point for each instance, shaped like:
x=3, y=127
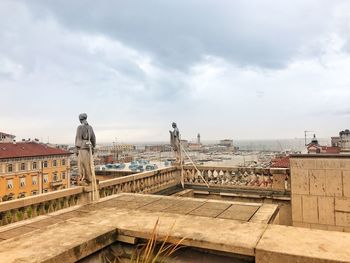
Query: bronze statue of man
x=175, y=142
x=85, y=141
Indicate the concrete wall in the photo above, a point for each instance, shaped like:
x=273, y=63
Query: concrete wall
x=320, y=189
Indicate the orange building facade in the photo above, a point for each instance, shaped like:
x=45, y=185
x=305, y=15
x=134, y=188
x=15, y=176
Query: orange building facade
x=30, y=168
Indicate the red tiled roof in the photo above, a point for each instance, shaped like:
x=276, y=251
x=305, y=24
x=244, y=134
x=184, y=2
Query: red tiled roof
x=330, y=149
x=281, y=163
x=28, y=149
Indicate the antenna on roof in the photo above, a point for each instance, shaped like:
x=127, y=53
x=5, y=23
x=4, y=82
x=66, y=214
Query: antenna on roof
x=305, y=135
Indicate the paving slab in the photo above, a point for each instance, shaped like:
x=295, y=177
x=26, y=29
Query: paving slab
x=302, y=245
x=239, y=212
x=189, y=204
x=265, y=214
x=15, y=232
x=206, y=212
x=211, y=205
x=64, y=242
x=45, y=222
x=178, y=210
x=72, y=214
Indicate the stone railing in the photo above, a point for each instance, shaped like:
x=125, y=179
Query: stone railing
x=146, y=182
x=28, y=207
x=238, y=177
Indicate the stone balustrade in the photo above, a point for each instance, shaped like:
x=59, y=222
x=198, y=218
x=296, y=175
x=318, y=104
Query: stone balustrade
x=28, y=207
x=241, y=177
x=146, y=182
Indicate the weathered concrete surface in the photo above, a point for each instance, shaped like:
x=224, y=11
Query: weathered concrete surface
x=292, y=244
x=70, y=236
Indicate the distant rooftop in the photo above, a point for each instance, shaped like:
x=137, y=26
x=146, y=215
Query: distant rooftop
x=2, y=134
x=28, y=149
x=281, y=163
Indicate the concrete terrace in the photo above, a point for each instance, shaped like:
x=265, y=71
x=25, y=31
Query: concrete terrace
x=79, y=231
x=63, y=226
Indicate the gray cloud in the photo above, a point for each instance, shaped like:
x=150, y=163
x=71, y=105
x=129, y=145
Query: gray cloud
x=178, y=34
x=241, y=69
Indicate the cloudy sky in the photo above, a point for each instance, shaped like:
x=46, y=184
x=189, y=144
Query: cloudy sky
x=243, y=69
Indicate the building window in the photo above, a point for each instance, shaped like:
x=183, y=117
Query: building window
x=34, y=192
x=45, y=190
x=46, y=178
x=34, y=165
x=45, y=164
x=9, y=168
x=54, y=163
x=34, y=180
x=22, y=181
x=23, y=166
x=63, y=162
x=22, y=195
x=63, y=175
x=10, y=184
x=55, y=177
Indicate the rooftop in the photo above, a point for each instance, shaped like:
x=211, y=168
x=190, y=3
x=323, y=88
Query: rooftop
x=7, y=135
x=134, y=216
x=281, y=163
x=28, y=149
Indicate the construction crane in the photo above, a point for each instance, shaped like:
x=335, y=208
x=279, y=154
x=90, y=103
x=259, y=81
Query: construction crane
x=280, y=145
x=305, y=135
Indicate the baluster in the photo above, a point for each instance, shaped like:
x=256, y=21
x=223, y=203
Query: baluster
x=30, y=212
x=7, y=218
x=41, y=209
x=15, y=215
x=50, y=207
x=24, y=211
x=35, y=209
x=1, y=218
x=65, y=202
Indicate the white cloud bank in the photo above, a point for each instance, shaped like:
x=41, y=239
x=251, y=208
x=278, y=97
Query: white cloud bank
x=248, y=69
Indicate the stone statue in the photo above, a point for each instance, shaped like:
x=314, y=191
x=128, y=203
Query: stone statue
x=175, y=142
x=85, y=141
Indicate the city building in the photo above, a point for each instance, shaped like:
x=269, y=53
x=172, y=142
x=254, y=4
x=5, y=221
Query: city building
x=114, y=148
x=314, y=148
x=4, y=137
x=198, y=138
x=226, y=142
x=157, y=148
x=194, y=146
x=31, y=168
x=335, y=141
x=344, y=140
x=184, y=143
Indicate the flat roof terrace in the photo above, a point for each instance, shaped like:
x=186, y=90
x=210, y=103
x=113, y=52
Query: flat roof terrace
x=74, y=233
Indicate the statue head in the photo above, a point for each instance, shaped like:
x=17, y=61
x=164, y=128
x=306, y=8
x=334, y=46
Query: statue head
x=82, y=117
x=173, y=125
